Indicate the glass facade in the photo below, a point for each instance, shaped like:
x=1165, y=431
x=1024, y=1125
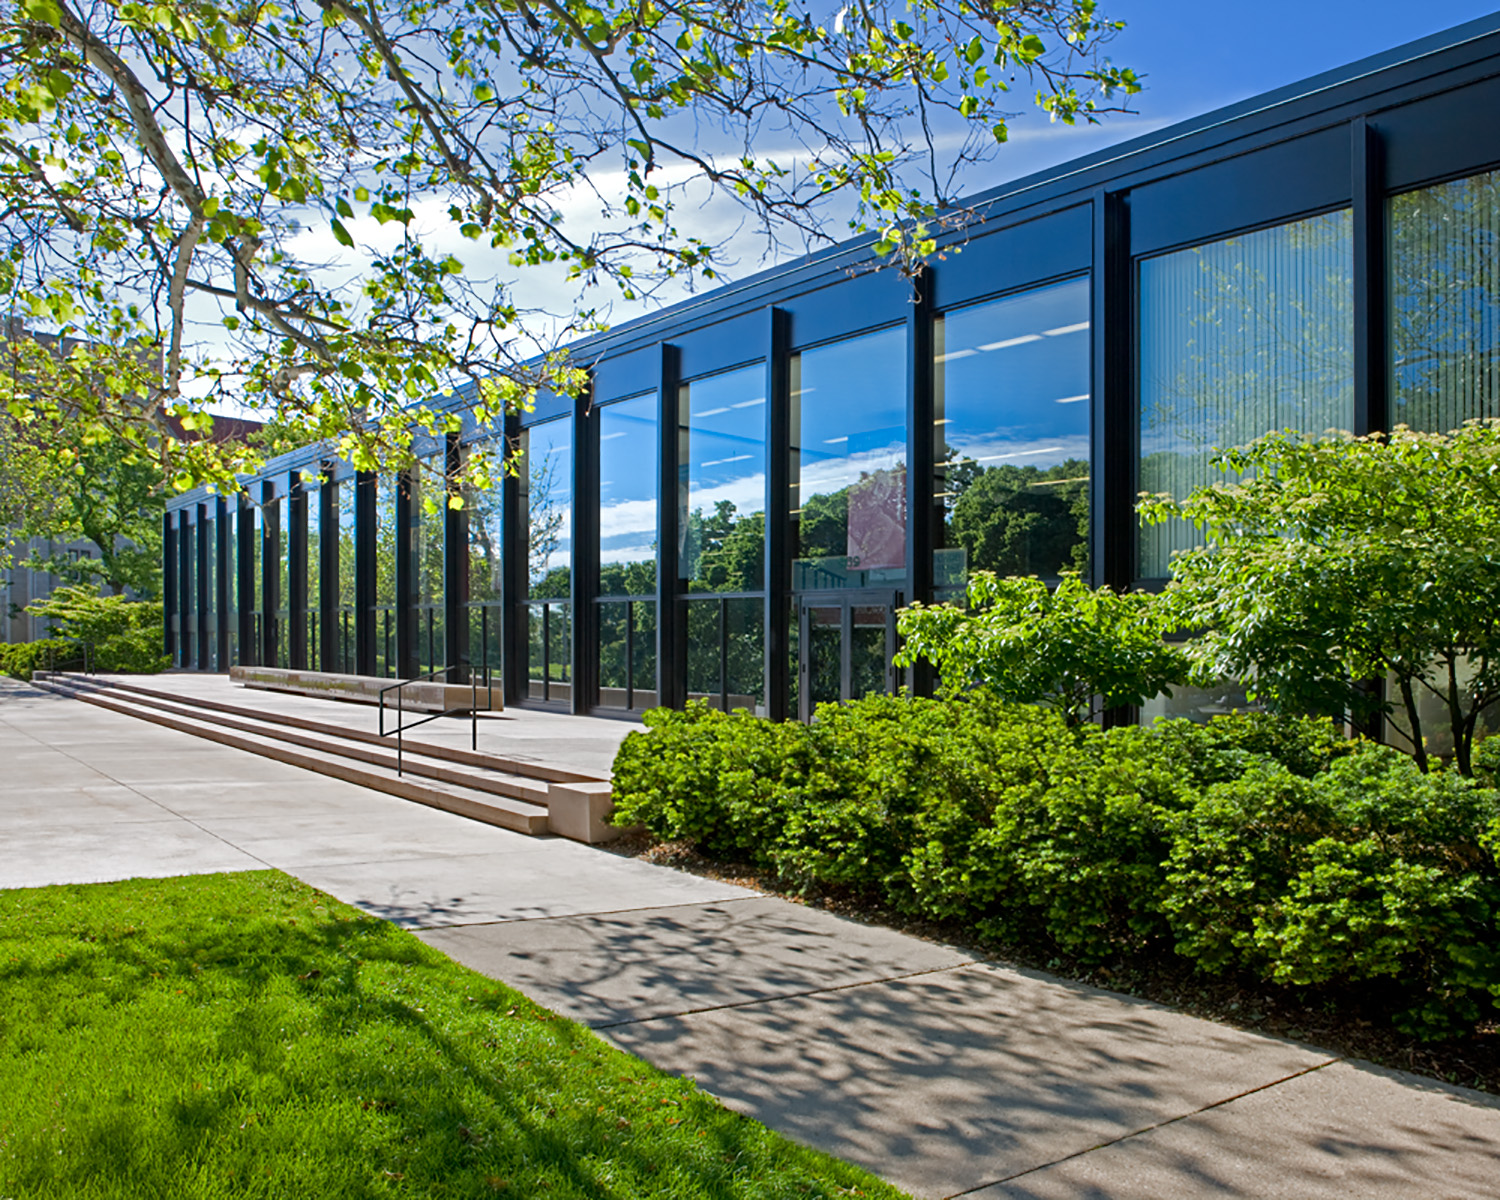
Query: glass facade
x=547, y=505
x=486, y=531
x=629, y=482
x=429, y=506
x=1445, y=304
x=384, y=614
x=1076, y=358
x=1237, y=338
x=1011, y=410
x=848, y=463
x=312, y=591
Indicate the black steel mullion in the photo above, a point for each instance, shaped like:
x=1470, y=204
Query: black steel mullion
x=222, y=584
x=1371, y=317
x=366, y=495
x=1114, y=437
x=408, y=511
x=921, y=514
x=776, y=611
x=671, y=609
x=583, y=578
x=515, y=616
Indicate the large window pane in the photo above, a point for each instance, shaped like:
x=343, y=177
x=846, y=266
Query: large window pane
x=848, y=463
x=726, y=653
x=1238, y=338
x=628, y=486
x=547, y=502
x=385, y=576
x=485, y=511
x=1011, y=392
x=313, y=578
x=429, y=503
x=282, y=535
x=347, y=491
x=229, y=530
x=722, y=457
x=1445, y=304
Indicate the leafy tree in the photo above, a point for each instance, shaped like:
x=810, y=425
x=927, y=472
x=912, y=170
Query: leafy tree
x=1073, y=648
x=1338, y=560
x=110, y=493
x=179, y=163
x=723, y=551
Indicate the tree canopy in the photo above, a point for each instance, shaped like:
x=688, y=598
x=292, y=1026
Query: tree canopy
x=1336, y=561
x=322, y=207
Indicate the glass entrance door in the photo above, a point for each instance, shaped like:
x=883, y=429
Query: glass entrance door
x=845, y=644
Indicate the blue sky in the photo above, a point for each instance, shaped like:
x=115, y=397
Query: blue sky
x=1201, y=56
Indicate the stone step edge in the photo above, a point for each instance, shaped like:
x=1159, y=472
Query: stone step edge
x=471, y=758
x=515, y=815
x=531, y=791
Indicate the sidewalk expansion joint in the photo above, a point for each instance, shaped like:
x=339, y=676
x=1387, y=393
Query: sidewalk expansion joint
x=754, y=1000
x=1135, y=1133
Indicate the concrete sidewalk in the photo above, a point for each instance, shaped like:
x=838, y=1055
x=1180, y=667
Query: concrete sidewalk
x=944, y=1075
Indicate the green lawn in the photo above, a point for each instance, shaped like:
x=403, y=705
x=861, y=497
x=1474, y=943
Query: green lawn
x=244, y=1035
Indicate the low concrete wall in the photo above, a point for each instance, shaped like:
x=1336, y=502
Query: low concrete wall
x=429, y=697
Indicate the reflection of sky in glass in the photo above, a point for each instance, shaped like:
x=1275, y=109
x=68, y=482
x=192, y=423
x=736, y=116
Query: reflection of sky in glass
x=628, y=480
x=724, y=440
x=848, y=412
x=1012, y=379
x=548, y=450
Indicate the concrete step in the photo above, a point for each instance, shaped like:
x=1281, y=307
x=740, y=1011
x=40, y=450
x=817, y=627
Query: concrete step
x=472, y=758
x=466, y=801
x=415, y=759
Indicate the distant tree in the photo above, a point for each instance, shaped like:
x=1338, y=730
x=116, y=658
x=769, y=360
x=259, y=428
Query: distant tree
x=1338, y=560
x=1022, y=520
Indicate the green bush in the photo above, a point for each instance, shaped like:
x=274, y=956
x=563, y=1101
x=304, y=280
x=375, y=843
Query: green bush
x=1370, y=870
x=20, y=659
x=125, y=635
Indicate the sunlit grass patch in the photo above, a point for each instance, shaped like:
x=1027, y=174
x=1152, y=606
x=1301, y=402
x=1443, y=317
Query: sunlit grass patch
x=245, y=1035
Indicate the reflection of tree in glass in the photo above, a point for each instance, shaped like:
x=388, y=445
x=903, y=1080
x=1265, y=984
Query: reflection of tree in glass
x=1445, y=304
x=1019, y=520
x=723, y=552
x=484, y=515
x=546, y=514
x=1238, y=337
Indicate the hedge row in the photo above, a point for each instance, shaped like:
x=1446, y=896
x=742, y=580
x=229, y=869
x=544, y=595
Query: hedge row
x=1251, y=844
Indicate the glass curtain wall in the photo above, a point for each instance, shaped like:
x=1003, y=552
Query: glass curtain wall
x=208, y=530
x=344, y=500
x=629, y=445
x=283, y=553
x=848, y=463
x=255, y=514
x=385, y=576
x=486, y=541
x=229, y=529
x=722, y=523
x=1011, y=390
x=1445, y=304
x=187, y=591
x=547, y=504
x=429, y=502
x=313, y=570
x=1239, y=337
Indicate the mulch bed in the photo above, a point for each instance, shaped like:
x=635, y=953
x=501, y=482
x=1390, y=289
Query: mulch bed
x=1348, y=1024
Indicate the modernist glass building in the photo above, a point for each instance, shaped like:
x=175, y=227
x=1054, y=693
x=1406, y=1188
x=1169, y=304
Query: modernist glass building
x=758, y=478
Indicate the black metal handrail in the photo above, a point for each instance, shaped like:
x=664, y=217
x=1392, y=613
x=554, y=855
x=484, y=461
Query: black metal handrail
x=88, y=653
x=403, y=725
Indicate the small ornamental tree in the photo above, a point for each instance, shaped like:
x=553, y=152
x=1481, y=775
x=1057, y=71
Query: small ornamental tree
x=1074, y=648
x=1338, y=560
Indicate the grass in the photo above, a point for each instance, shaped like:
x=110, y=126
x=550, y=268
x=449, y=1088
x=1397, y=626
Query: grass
x=245, y=1035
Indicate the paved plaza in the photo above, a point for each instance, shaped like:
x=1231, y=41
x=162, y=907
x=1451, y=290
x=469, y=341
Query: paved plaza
x=945, y=1075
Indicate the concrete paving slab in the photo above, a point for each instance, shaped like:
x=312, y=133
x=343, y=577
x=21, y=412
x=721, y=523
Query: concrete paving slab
x=628, y=966
x=387, y=833
x=1345, y=1130
x=953, y=1080
x=554, y=879
x=118, y=850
